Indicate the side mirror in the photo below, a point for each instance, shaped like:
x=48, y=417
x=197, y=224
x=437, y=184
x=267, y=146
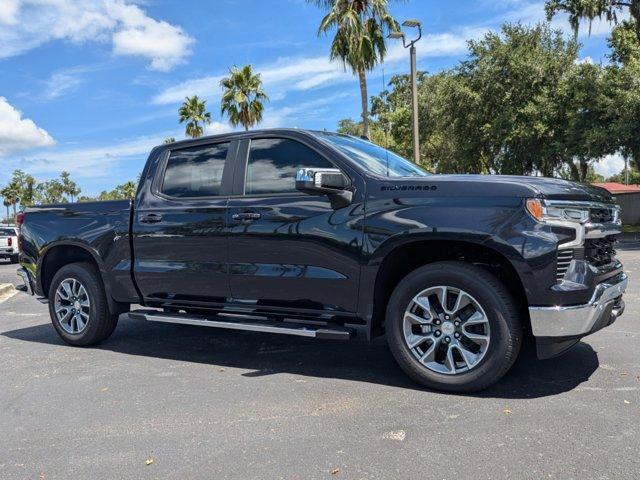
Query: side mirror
x=328, y=181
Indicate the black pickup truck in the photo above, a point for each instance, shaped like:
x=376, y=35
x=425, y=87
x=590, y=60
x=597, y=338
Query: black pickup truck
x=314, y=233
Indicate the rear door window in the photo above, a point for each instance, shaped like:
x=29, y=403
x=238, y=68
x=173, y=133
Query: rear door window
x=195, y=172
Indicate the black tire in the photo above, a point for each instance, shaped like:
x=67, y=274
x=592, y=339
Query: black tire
x=101, y=322
x=501, y=310
x=14, y=258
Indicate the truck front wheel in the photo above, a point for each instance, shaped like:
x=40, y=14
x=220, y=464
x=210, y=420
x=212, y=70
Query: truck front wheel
x=453, y=326
x=78, y=305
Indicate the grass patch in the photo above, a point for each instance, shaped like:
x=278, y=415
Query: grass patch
x=631, y=228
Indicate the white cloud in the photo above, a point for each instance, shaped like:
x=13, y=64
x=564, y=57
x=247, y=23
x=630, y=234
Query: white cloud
x=312, y=109
x=61, y=83
x=203, y=87
x=27, y=24
x=165, y=44
x=436, y=45
x=284, y=74
x=588, y=60
x=610, y=165
x=217, y=128
x=91, y=162
x=9, y=12
x=307, y=73
x=17, y=133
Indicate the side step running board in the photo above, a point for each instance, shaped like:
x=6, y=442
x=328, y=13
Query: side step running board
x=249, y=324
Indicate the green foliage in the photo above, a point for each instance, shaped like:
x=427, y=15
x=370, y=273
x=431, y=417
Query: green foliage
x=625, y=43
x=194, y=112
x=634, y=177
x=124, y=191
x=611, y=10
x=377, y=133
x=169, y=140
x=25, y=191
x=623, y=106
x=243, y=97
x=51, y=191
x=361, y=27
x=69, y=187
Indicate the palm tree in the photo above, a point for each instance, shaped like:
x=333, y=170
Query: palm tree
x=11, y=194
x=359, y=42
x=69, y=187
x=242, y=97
x=193, y=111
x=7, y=203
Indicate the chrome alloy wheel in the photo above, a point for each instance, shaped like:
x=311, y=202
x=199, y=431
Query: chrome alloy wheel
x=446, y=329
x=72, y=306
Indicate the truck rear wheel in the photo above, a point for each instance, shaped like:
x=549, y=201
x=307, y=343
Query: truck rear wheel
x=453, y=326
x=78, y=305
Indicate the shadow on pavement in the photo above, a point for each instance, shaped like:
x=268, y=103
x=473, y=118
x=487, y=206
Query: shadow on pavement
x=357, y=360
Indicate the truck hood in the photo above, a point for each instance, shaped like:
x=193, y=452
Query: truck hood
x=558, y=189
x=509, y=185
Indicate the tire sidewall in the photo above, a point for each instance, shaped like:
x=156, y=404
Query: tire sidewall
x=504, y=334
x=90, y=283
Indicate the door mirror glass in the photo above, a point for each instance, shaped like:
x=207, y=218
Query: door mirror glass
x=328, y=181
x=321, y=180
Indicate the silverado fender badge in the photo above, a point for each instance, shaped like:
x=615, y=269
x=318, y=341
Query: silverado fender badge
x=405, y=188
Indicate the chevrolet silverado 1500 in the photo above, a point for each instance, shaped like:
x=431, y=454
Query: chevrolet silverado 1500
x=314, y=233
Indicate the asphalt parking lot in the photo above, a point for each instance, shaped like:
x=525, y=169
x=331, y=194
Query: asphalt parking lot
x=163, y=401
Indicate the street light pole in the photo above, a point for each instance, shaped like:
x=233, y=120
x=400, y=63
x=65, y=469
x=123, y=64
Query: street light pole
x=414, y=82
x=414, y=105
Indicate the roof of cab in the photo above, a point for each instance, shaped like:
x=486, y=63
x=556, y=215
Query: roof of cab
x=238, y=134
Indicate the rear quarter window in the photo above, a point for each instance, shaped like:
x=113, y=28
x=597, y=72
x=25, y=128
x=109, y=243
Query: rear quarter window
x=195, y=171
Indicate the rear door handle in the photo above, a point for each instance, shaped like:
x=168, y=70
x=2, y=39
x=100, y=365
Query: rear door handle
x=150, y=218
x=246, y=216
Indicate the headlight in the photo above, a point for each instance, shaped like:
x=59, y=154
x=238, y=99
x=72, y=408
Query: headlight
x=553, y=213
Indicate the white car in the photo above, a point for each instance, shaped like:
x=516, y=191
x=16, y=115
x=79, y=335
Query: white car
x=9, y=243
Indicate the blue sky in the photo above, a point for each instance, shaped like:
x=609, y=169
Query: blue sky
x=89, y=86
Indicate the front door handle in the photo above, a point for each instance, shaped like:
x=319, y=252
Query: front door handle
x=150, y=218
x=246, y=216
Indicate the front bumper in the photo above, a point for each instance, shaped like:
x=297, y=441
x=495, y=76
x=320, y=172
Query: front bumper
x=558, y=328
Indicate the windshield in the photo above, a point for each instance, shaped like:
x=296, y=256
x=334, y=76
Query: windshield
x=373, y=158
x=7, y=232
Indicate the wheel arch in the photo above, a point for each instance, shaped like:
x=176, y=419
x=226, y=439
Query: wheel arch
x=407, y=257
x=59, y=254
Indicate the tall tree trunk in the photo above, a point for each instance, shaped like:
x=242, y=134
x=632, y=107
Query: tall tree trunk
x=575, y=174
x=584, y=170
x=15, y=214
x=364, y=96
x=8, y=214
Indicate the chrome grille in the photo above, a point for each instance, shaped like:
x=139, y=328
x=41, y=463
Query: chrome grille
x=564, y=259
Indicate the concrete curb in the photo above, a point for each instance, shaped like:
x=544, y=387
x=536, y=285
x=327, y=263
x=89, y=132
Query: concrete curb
x=6, y=289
